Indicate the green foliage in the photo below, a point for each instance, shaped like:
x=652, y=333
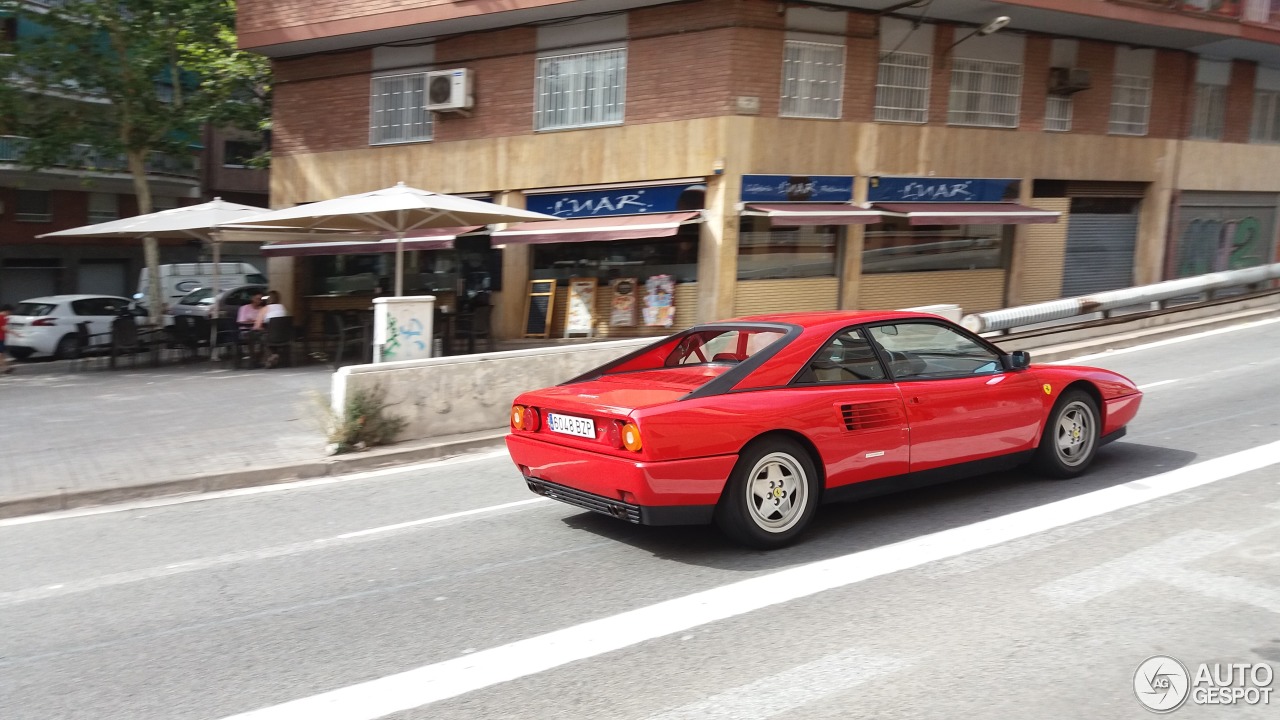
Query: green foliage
x=364, y=422
x=127, y=77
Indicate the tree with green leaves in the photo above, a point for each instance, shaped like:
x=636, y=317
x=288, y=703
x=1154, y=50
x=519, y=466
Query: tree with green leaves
x=127, y=78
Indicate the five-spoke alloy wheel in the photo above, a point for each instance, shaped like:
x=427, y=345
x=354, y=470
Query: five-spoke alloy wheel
x=1070, y=437
x=771, y=495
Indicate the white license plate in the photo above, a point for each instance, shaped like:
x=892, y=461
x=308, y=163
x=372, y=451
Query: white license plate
x=570, y=425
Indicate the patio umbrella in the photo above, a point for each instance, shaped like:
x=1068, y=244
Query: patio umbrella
x=397, y=210
x=192, y=221
x=207, y=221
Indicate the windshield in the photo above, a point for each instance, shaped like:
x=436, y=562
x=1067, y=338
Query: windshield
x=34, y=309
x=203, y=296
x=722, y=346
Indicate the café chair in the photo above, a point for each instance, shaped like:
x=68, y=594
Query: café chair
x=279, y=339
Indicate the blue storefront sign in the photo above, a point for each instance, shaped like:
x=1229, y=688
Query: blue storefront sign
x=619, y=201
x=932, y=189
x=797, y=188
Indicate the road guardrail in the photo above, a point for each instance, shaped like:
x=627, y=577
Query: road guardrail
x=1104, y=302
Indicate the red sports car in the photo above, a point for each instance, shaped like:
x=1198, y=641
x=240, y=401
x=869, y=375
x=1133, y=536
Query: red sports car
x=751, y=423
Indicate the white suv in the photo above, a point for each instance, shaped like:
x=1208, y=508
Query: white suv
x=47, y=325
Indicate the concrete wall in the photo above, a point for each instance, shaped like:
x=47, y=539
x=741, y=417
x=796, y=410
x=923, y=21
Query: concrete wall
x=459, y=394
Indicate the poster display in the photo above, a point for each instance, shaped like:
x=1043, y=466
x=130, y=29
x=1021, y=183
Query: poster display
x=582, y=307
x=659, y=301
x=622, y=312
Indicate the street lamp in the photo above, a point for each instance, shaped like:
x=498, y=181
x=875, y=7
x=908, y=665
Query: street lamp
x=993, y=26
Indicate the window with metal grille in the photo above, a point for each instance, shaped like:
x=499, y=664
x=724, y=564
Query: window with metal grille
x=1210, y=112
x=581, y=90
x=984, y=93
x=812, y=80
x=398, y=109
x=902, y=88
x=1057, y=113
x=1130, y=105
x=1266, y=117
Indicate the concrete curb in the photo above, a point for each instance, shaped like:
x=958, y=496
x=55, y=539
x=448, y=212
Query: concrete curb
x=254, y=477
x=438, y=448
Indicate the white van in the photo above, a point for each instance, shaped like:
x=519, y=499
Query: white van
x=181, y=278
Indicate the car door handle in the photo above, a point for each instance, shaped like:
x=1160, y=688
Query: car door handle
x=915, y=400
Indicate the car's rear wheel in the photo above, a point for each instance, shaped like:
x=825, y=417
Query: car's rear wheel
x=68, y=347
x=1070, y=438
x=771, y=496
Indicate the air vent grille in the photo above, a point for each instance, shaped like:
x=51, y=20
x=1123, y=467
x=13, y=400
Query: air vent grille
x=872, y=415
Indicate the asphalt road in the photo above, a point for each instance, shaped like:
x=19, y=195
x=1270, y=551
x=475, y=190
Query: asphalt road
x=450, y=591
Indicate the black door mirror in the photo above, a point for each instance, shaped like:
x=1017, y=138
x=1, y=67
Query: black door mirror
x=1018, y=360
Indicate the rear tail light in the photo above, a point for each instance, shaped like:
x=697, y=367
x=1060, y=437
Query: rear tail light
x=612, y=434
x=525, y=418
x=45, y=322
x=631, y=437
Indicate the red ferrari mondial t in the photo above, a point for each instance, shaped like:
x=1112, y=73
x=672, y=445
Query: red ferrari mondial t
x=751, y=423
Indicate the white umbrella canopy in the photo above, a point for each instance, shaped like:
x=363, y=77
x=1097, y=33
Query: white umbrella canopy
x=399, y=210
x=199, y=221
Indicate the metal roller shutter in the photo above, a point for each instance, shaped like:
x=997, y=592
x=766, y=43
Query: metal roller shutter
x=1223, y=231
x=1099, y=252
x=758, y=297
x=1105, y=189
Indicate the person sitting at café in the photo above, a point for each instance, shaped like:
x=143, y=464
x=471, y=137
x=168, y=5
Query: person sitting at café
x=247, y=316
x=271, y=308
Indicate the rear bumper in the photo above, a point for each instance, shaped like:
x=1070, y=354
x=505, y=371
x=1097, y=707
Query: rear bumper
x=675, y=492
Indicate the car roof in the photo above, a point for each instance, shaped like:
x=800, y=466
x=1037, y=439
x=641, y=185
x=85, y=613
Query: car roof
x=834, y=319
x=69, y=298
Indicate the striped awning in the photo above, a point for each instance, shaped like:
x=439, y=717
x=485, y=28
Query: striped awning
x=618, y=227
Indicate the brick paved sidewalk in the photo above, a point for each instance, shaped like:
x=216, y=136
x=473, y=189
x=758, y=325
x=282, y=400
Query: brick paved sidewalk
x=63, y=431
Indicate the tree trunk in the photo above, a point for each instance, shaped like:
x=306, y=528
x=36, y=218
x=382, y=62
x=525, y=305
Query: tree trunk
x=150, y=247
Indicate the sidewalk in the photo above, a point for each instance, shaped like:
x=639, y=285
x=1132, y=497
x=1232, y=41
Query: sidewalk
x=70, y=439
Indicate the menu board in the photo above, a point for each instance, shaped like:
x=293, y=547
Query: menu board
x=622, y=312
x=659, y=301
x=542, y=296
x=582, y=307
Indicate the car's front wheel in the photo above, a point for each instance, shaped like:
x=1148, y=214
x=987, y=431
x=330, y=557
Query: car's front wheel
x=771, y=496
x=1070, y=437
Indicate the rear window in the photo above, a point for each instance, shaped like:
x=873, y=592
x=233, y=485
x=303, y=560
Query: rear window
x=721, y=346
x=34, y=309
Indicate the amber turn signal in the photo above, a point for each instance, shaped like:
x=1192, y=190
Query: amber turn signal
x=631, y=437
x=517, y=417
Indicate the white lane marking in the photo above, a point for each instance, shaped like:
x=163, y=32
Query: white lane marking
x=451, y=678
x=440, y=518
x=17, y=597
x=1008, y=552
x=1224, y=587
x=258, y=490
x=1148, y=386
x=1167, y=341
x=769, y=696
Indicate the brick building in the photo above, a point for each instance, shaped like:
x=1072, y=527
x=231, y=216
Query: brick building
x=766, y=156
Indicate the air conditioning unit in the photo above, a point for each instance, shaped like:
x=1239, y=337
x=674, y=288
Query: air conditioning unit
x=449, y=90
x=1064, y=81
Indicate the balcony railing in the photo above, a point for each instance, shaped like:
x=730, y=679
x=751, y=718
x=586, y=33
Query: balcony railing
x=86, y=157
